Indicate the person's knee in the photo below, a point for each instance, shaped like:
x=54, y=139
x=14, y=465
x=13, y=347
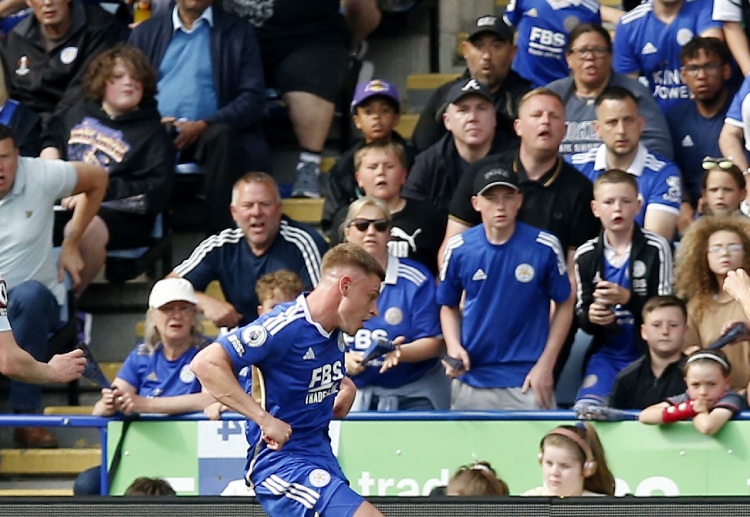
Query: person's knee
x=25, y=297
x=88, y=482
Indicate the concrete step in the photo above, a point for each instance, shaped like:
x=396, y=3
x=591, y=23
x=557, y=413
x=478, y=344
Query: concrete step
x=44, y=462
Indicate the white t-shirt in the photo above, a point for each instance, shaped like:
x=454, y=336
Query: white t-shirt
x=727, y=11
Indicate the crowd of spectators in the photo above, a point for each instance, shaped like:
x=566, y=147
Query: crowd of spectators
x=559, y=185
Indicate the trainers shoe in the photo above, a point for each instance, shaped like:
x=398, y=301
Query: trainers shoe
x=307, y=184
x=83, y=321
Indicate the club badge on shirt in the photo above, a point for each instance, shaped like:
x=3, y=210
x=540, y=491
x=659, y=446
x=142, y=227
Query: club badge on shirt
x=23, y=66
x=68, y=55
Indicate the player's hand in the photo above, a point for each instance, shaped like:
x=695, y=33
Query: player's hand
x=189, y=132
x=458, y=352
x=392, y=359
x=540, y=379
x=67, y=367
x=275, y=432
x=221, y=313
x=601, y=314
x=353, y=363
x=610, y=293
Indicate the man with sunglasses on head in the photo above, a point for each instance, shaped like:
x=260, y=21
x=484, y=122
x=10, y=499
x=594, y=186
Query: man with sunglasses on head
x=695, y=126
x=264, y=241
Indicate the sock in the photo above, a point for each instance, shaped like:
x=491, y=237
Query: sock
x=306, y=157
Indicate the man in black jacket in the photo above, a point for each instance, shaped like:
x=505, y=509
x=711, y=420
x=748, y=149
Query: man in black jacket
x=47, y=54
x=489, y=52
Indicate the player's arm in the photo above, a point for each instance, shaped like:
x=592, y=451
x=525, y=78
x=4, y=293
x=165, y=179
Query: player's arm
x=19, y=365
x=344, y=398
x=213, y=367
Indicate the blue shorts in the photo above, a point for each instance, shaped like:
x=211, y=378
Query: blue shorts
x=300, y=489
x=599, y=378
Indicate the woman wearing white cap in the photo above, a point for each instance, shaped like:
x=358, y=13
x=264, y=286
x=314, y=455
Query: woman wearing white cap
x=156, y=376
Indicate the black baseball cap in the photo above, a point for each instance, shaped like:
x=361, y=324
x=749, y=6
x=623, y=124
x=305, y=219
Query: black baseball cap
x=467, y=87
x=491, y=174
x=492, y=24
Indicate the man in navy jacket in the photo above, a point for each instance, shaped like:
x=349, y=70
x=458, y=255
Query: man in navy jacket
x=211, y=92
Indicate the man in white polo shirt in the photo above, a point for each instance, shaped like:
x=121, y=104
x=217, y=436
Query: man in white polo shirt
x=28, y=190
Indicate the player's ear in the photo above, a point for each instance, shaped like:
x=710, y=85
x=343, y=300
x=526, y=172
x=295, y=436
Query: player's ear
x=344, y=283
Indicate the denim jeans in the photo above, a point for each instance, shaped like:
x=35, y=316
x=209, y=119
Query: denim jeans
x=33, y=313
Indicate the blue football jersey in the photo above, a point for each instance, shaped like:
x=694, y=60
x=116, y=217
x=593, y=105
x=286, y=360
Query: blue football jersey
x=406, y=307
x=300, y=367
x=153, y=375
x=659, y=183
x=507, y=307
x=647, y=45
x=739, y=111
x=543, y=27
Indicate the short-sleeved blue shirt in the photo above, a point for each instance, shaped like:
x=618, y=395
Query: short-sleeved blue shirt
x=153, y=375
x=508, y=289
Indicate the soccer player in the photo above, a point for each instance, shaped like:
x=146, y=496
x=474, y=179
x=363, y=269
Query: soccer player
x=301, y=361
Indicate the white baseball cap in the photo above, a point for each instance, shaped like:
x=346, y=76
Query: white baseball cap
x=171, y=290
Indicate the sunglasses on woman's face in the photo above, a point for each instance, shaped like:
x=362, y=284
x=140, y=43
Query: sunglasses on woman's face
x=722, y=163
x=362, y=225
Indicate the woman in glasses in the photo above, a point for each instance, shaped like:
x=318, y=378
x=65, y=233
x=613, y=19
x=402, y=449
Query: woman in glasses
x=589, y=56
x=711, y=248
x=411, y=376
x=722, y=189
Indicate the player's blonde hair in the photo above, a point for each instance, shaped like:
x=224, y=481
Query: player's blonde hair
x=351, y=255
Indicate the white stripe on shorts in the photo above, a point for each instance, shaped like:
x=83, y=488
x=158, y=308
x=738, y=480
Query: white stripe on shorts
x=294, y=491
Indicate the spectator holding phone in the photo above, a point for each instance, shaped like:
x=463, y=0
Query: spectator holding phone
x=410, y=377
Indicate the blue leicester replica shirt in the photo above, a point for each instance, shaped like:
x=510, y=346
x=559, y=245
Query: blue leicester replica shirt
x=300, y=368
x=543, y=27
x=659, y=183
x=647, y=45
x=508, y=291
x=739, y=111
x=153, y=375
x=406, y=307
x=622, y=344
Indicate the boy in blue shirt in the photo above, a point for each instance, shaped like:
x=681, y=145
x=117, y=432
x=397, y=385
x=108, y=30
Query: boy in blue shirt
x=505, y=335
x=300, y=357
